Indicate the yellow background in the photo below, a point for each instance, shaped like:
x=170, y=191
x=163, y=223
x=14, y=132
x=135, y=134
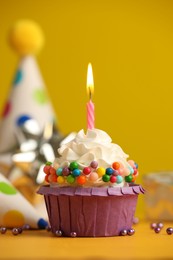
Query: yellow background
x=130, y=45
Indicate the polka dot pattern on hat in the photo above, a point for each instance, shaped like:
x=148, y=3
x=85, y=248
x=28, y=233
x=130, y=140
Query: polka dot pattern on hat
x=13, y=218
x=22, y=119
x=18, y=78
x=40, y=96
x=7, y=109
x=7, y=189
x=15, y=209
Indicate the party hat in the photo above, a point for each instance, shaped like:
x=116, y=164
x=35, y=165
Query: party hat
x=28, y=98
x=15, y=210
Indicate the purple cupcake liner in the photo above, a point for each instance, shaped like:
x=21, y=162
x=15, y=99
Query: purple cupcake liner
x=90, y=212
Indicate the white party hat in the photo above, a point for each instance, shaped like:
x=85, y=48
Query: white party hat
x=15, y=210
x=28, y=98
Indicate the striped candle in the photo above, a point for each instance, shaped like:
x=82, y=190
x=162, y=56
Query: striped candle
x=90, y=115
x=90, y=104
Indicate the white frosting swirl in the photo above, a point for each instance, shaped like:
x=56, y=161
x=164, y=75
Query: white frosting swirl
x=96, y=145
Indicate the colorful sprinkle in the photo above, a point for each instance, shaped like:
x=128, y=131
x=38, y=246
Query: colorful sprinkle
x=131, y=162
x=133, y=178
x=74, y=165
x=136, y=165
x=126, y=171
x=101, y=171
x=46, y=169
x=109, y=171
x=93, y=176
x=65, y=171
x=113, y=179
x=131, y=170
x=76, y=172
x=116, y=172
x=86, y=170
x=94, y=164
x=52, y=170
x=52, y=178
x=135, y=171
x=81, y=179
x=116, y=165
x=60, y=179
x=59, y=171
x=119, y=179
x=128, y=178
x=70, y=179
x=72, y=172
x=47, y=177
x=106, y=178
x=120, y=171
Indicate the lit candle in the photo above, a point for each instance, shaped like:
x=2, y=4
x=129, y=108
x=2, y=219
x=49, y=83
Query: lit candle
x=90, y=104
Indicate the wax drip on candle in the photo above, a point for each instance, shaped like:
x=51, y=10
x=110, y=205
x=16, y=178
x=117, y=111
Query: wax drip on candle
x=90, y=93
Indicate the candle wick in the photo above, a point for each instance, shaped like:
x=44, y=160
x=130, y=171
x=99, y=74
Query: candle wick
x=90, y=93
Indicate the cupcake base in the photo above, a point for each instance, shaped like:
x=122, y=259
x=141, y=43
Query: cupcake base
x=90, y=212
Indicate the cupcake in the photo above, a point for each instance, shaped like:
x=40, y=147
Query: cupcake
x=91, y=189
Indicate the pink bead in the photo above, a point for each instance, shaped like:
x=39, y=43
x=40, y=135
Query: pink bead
x=131, y=162
x=93, y=176
x=121, y=165
x=121, y=171
x=126, y=171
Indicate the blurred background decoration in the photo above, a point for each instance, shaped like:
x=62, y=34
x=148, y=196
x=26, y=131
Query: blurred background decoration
x=129, y=44
x=159, y=196
x=28, y=98
x=29, y=135
x=16, y=211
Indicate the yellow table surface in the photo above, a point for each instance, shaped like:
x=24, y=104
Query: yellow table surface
x=42, y=245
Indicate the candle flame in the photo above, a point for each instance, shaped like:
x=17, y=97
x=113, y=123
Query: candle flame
x=90, y=81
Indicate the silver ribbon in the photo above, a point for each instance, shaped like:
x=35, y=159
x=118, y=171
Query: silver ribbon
x=35, y=147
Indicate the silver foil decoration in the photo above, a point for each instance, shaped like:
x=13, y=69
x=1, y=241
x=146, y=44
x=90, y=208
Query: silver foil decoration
x=35, y=147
